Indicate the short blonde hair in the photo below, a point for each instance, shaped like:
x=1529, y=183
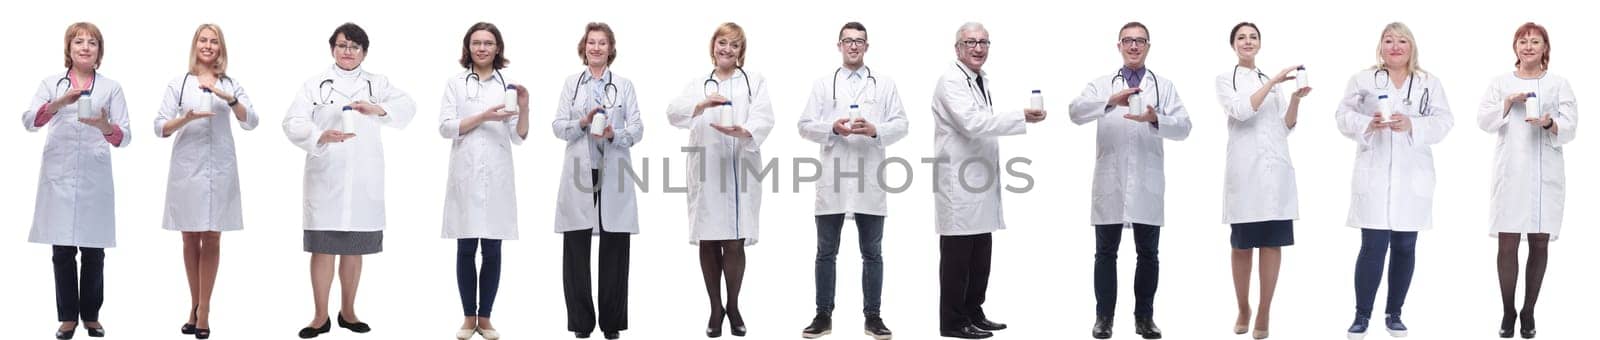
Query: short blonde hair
x=611, y=40
x=82, y=28
x=735, y=34
x=1400, y=29
x=222, y=51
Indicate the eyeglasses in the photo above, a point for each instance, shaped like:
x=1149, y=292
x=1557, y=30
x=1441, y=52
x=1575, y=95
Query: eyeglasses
x=853, y=41
x=1136, y=41
x=482, y=43
x=352, y=48
x=974, y=43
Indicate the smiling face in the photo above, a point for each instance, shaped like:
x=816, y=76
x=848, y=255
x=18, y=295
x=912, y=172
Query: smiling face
x=1396, y=50
x=348, y=54
x=973, y=48
x=484, y=48
x=853, y=47
x=1134, y=43
x=1246, y=43
x=85, y=51
x=727, y=52
x=207, y=47
x=1531, y=49
x=596, y=49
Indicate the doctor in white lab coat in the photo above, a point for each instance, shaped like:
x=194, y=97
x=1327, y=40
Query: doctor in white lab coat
x=724, y=191
x=483, y=114
x=967, y=209
x=344, y=209
x=852, y=152
x=1260, y=201
x=1391, y=194
x=594, y=196
x=1129, y=176
x=1528, y=190
x=198, y=111
x=74, y=210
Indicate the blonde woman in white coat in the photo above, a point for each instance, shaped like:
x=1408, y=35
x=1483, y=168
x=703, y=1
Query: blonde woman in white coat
x=594, y=198
x=1529, y=184
x=1259, y=196
x=724, y=203
x=75, y=210
x=1391, y=194
x=344, y=213
x=198, y=111
x=482, y=114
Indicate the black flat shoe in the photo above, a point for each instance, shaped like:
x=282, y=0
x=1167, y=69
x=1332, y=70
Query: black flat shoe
x=988, y=325
x=1102, y=328
x=308, y=332
x=98, y=332
x=202, y=333
x=1508, y=325
x=358, y=327
x=65, y=335
x=968, y=332
x=1146, y=328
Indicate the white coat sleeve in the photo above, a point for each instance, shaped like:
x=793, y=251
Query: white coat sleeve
x=632, y=130
x=301, y=130
x=1090, y=105
x=895, y=125
x=118, y=116
x=251, y=119
x=398, y=105
x=680, y=112
x=1432, y=128
x=41, y=98
x=1492, y=116
x=1351, y=121
x=761, y=118
x=449, y=119
x=960, y=105
x=1234, y=103
x=565, y=124
x=169, y=109
x=816, y=123
x=1566, y=116
x=1172, y=121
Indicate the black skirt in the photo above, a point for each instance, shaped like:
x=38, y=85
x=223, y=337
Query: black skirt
x=1278, y=233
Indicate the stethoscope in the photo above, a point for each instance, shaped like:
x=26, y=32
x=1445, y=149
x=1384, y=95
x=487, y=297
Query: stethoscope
x=1385, y=83
x=609, y=88
x=1154, y=80
x=711, y=84
x=327, y=91
x=468, y=81
x=974, y=88
x=66, y=78
x=185, y=86
x=873, y=81
x=1259, y=76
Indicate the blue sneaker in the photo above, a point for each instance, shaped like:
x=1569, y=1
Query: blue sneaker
x=1396, y=329
x=1358, y=328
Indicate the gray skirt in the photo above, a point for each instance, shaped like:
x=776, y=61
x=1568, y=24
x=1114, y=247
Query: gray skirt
x=343, y=242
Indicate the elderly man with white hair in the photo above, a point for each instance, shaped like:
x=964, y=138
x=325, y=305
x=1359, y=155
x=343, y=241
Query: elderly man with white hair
x=968, y=202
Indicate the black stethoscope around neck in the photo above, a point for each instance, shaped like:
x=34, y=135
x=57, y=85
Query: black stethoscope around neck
x=185, y=86
x=1154, y=81
x=93, y=81
x=1384, y=82
x=472, y=76
x=609, y=89
x=981, y=91
x=873, y=81
x=1259, y=76
x=712, y=85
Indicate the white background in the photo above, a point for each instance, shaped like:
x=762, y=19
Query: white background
x=1041, y=283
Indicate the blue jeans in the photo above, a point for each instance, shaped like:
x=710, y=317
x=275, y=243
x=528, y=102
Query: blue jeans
x=1146, y=273
x=869, y=230
x=1402, y=246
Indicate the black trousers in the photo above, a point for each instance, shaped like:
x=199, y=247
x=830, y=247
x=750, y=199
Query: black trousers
x=963, y=278
x=1146, y=273
x=614, y=253
x=79, y=296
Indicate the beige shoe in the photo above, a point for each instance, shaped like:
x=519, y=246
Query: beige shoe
x=489, y=334
x=1259, y=334
x=465, y=333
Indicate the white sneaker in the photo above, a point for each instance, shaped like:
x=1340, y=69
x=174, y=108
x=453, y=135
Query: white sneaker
x=1356, y=336
x=1397, y=333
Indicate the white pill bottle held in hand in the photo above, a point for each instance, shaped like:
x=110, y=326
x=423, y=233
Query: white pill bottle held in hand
x=1135, y=104
x=597, y=126
x=347, y=119
x=1530, y=107
x=206, y=100
x=726, y=114
x=1386, y=108
x=86, y=106
x=1300, y=78
x=1036, y=102
x=511, y=99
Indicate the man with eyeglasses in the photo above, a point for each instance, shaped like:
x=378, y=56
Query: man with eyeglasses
x=854, y=114
x=966, y=186
x=1128, y=178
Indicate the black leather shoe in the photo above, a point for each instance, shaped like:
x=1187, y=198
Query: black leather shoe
x=308, y=332
x=613, y=335
x=65, y=335
x=95, y=332
x=358, y=327
x=821, y=325
x=968, y=332
x=188, y=328
x=1527, y=324
x=581, y=335
x=876, y=329
x=1102, y=327
x=736, y=323
x=1146, y=327
x=988, y=325
x=1508, y=325
x=202, y=333
x=714, y=326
